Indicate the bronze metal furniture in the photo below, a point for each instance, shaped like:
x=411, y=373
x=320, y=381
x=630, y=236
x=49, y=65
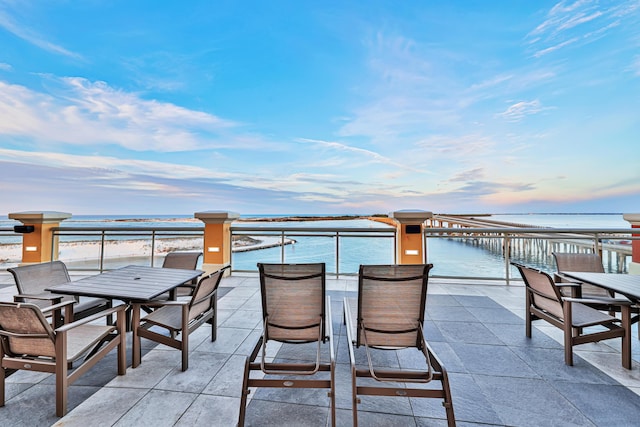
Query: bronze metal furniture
x=32, y=281
x=131, y=283
x=589, y=263
x=388, y=314
x=184, y=260
x=179, y=318
x=544, y=301
x=30, y=343
x=295, y=310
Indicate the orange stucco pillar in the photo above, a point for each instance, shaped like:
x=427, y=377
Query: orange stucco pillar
x=37, y=245
x=217, y=238
x=411, y=223
x=634, y=266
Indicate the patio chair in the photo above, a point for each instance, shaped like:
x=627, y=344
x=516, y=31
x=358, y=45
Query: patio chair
x=592, y=263
x=388, y=314
x=587, y=262
x=545, y=301
x=30, y=343
x=295, y=310
x=179, y=318
x=187, y=261
x=32, y=280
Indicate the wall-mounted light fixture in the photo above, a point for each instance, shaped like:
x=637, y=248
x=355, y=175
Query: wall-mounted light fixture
x=23, y=229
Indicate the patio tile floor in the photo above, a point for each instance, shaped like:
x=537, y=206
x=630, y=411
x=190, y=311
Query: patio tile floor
x=498, y=376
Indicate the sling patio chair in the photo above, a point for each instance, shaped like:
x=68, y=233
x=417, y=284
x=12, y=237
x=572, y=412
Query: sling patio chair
x=32, y=280
x=179, y=318
x=187, y=261
x=587, y=262
x=295, y=310
x=545, y=301
x=388, y=315
x=591, y=263
x=30, y=343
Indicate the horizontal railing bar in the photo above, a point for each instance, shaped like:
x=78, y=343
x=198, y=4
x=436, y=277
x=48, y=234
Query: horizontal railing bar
x=512, y=230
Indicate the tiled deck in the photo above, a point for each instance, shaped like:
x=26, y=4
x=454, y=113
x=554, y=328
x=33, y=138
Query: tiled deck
x=498, y=376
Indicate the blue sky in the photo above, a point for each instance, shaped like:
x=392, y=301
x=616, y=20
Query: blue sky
x=275, y=107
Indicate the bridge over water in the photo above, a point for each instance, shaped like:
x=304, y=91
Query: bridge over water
x=535, y=243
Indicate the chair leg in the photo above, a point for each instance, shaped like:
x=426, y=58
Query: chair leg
x=122, y=345
x=568, y=334
x=214, y=320
x=244, y=393
x=185, y=351
x=626, y=339
x=62, y=381
x=184, y=343
x=354, y=395
x=2, y=378
x=448, y=402
x=333, y=395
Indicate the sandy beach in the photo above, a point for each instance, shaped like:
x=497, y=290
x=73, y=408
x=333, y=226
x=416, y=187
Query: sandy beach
x=114, y=249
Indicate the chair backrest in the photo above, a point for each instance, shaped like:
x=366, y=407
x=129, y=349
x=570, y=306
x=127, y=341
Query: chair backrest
x=542, y=291
x=203, y=296
x=35, y=278
x=25, y=331
x=591, y=263
x=391, y=304
x=293, y=297
x=186, y=260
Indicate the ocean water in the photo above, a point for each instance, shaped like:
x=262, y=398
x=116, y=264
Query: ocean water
x=451, y=257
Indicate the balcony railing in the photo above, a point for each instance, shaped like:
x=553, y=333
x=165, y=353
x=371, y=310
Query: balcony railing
x=456, y=252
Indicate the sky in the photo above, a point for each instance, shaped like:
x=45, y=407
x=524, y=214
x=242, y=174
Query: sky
x=331, y=107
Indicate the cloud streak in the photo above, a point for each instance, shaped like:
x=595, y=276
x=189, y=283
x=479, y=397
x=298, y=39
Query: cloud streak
x=81, y=112
x=33, y=37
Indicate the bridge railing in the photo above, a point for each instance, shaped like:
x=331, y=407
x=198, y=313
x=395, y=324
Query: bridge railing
x=534, y=246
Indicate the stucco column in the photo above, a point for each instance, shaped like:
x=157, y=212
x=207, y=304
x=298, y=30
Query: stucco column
x=634, y=266
x=411, y=223
x=37, y=245
x=217, y=238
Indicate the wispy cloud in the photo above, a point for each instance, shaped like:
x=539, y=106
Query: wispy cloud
x=77, y=111
x=578, y=23
x=522, y=109
x=367, y=155
x=5, y=67
x=33, y=37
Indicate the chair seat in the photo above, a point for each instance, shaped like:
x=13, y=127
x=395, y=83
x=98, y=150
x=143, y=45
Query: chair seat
x=169, y=316
x=584, y=316
x=83, y=338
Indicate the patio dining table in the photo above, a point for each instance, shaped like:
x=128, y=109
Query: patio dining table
x=624, y=284
x=133, y=283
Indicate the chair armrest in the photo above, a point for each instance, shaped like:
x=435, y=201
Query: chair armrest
x=93, y=317
x=568, y=285
x=610, y=301
x=44, y=296
x=56, y=306
x=561, y=278
x=161, y=303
